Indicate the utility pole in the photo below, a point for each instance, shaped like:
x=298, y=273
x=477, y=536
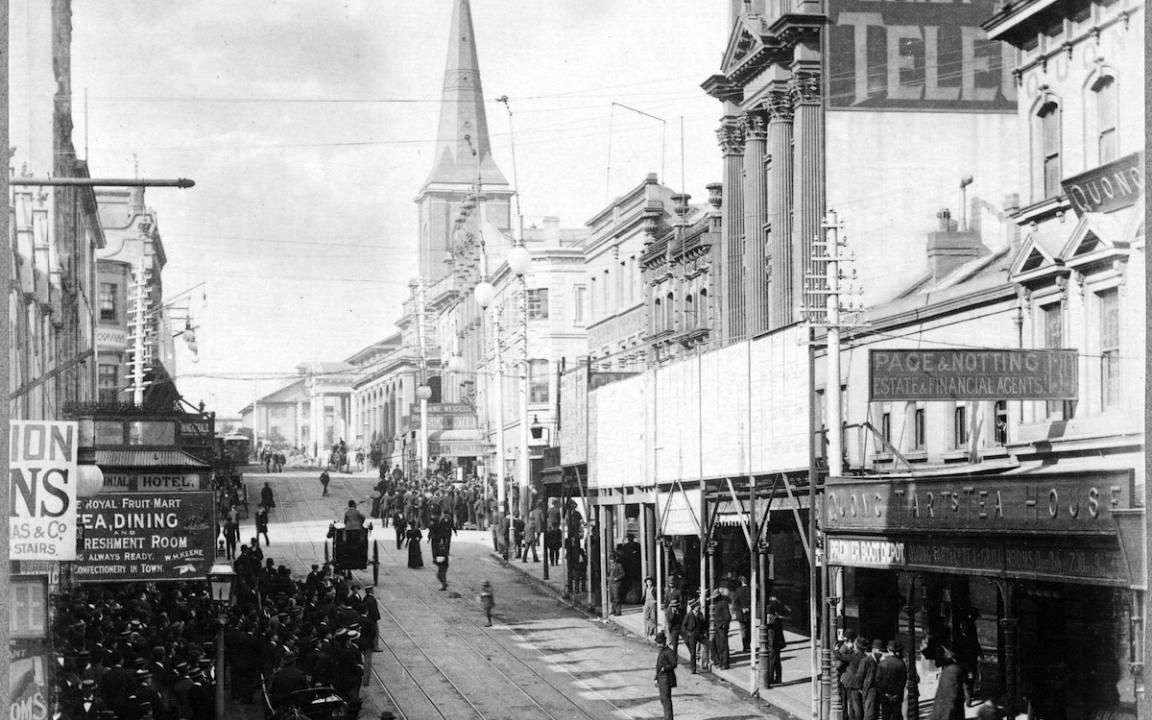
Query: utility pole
x=5, y=346
x=138, y=328
x=824, y=307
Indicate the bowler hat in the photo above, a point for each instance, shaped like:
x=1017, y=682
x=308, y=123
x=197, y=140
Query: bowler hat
x=661, y=637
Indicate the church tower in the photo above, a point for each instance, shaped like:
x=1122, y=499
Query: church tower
x=463, y=155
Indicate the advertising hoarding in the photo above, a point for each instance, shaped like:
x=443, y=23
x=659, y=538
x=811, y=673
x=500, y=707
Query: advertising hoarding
x=42, y=482
x=917, y=56
x=139, y=536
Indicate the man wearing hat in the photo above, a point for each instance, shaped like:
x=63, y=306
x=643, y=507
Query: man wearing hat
x=665, y=673
x=723, y=616
x=891, y=676
x=353, y=518
x=88, y=704
x=147, y=692
x=695, y=630
x=371, y=618
x=285, y=681
x=868, y=688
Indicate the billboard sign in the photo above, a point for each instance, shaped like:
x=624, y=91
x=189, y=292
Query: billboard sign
x=29, y=683
x=972, y=374
x=28, y=607
x=138, y=536
x=154, y=481
x=917, y=56
x=42, y=487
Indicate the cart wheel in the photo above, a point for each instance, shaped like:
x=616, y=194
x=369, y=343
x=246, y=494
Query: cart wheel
x=375, y=563
x=326, y=553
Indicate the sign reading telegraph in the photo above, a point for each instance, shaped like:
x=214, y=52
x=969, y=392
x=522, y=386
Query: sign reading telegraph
x=972, y=374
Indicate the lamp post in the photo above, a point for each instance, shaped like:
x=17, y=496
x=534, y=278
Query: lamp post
x=485, y=293
x=221, y=577
x=519, y=260
x=423, y=394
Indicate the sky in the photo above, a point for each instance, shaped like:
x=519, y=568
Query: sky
x=308, y=127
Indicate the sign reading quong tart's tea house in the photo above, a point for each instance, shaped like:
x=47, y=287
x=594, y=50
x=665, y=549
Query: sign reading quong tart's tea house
x=1041, y=503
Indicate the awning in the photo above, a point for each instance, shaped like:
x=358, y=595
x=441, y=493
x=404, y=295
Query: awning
x=458, y=442
x=148, y=459
x=728, y=512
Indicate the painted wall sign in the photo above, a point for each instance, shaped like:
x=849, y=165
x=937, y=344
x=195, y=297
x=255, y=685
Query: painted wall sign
x=110, y=338
x=1111, y=186
x=153, y=482
x=917, y=56
x=1071, y=503
x=42, y=486
x=29, y=684
x=972, y=374
x=159, y=536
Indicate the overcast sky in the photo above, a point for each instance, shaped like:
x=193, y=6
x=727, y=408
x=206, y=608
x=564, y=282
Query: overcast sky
x=308, y=127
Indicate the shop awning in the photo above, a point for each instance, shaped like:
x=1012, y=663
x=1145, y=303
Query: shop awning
x=458, y=442
x=728, y=512
x=148, y=459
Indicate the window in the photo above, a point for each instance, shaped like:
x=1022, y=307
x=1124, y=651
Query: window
x=886, y=426
x=107, y=381
x=657, y=316
x=689, y=311
x=1053, y=318
x=1105, y=92
x=703, y=307
x=960, y=427
x=538, y=381
x=538, y=304
x=151, y=432
x=670, y=311
x=1109, y=349
x=1049, y=127
x=579, y=298
x=919, y=431
x=1000, y=431
x=108, y=301
x=592, y=311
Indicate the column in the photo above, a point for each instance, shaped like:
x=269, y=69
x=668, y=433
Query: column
x=807, y=174
x=781, y=279
x=1010, y=635
x=755, y=278
x=731, y=136
x=912, y=695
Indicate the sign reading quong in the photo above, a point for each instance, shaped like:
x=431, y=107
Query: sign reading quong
x=972, y=374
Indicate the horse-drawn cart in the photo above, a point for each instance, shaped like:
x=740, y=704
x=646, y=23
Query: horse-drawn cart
x=347, y=550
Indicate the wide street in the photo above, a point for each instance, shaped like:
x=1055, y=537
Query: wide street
x=541, y=659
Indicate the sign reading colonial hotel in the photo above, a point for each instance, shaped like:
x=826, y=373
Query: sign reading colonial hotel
x=42, y=487
x=972, y=374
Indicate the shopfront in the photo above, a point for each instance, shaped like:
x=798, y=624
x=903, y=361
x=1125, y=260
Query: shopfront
x=1024, y=576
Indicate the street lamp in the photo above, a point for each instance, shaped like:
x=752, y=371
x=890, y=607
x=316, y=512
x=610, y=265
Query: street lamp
x=485, y=293
x=221, y=578
x=519, y=261
x=423, y=394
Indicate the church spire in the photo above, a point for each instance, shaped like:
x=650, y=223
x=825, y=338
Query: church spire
x=463, y=124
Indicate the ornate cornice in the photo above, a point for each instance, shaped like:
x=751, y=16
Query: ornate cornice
x=805, y=88
x=731, y=137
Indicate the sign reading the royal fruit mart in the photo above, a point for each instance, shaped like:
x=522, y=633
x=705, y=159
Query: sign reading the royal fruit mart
x=145, y=536
x=972, y=374
x=42, y=489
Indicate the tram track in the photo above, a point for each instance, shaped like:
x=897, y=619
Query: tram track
x=500, y=659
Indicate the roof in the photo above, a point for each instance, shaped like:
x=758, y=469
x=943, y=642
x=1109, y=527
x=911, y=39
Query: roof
x=148, y=458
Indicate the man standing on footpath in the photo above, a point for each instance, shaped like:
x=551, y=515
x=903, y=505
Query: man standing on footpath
x=665, y=673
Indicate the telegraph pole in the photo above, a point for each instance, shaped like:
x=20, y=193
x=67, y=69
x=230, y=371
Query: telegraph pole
x=5, y=345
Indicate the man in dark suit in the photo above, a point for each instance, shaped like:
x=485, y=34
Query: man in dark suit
x=891, y=678
x=665, y=673
x=695, y=632
x=723, y=617
x=285, y=681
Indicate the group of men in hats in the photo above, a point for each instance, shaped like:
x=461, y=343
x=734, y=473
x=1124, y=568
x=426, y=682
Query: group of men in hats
x=872, y=677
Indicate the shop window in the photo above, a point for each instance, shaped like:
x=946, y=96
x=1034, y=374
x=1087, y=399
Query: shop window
x=151, y=432
x=109, y=432
x=960, y=426
x=538, y=304
x=1109, y=349
x=108, y=301
x=538, y=381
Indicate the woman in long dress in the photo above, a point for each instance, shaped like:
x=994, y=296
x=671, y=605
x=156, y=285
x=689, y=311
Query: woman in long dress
x=415, y=556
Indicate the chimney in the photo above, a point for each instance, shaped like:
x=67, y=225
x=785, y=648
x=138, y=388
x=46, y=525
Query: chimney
x=949, y=247
x=551, y=230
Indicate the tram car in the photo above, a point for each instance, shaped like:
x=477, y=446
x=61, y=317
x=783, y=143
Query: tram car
x=347, y=550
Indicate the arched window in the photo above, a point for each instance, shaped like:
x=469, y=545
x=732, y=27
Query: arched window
x=1104, y=119
x=703, y=310
x=670, y=311
x=657, y=316
x=689, y=312
x=1048, y=149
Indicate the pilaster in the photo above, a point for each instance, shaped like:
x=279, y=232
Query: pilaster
x=731, y=137
x=755, y=280
x=782, y=279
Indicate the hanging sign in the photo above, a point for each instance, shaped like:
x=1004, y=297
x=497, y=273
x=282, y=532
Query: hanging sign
x=1111, y=186
x=42, y=489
